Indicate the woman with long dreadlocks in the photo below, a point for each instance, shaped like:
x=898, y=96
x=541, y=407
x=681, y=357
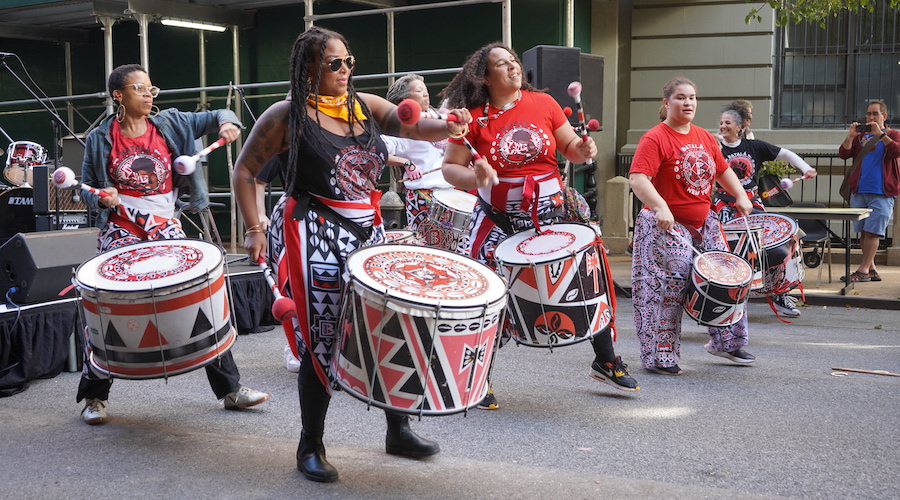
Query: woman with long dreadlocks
x=517, y=132
x=335, y=157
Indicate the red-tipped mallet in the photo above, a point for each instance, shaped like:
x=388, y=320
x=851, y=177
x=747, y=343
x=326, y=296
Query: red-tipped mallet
x=574, y=91
x=64, y=178
x=410, y=112
x=283, y=307
x=185, y=165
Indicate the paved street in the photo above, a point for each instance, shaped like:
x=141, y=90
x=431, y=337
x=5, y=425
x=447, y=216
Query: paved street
x=787, y=427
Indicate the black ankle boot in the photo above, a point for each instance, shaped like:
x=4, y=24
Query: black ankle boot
x=401, y=440
x=311, y=460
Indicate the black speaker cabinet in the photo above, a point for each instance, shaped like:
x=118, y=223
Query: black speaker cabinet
x=39, y=265
x=554, y=68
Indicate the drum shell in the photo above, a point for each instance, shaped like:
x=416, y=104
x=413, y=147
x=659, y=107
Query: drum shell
x=446, y=225
x=157, y=332
x=416, y=358
x=400, y=236
x=713, y=303
x=560, y=301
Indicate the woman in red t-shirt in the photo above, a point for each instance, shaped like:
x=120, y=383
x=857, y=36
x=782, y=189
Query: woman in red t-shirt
x=517, y=131
x=675, y=167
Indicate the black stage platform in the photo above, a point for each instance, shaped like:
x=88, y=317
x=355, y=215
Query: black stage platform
x=36, y=339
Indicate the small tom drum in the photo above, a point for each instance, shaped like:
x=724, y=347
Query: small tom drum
x=156, y=308
x=21, y=156
x=418, y=329
x=718, y=288
x=783, y=260
x=400, y=236
x=559, y=282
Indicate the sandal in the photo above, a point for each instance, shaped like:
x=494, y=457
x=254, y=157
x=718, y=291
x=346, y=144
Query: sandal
x=858, y=277
x=874, y=276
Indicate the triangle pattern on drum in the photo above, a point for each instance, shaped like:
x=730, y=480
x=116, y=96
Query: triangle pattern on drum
x=201, y=324
x=112, y=337
x=152, y=337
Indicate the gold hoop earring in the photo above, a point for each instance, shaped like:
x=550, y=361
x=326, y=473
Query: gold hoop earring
x=154, y=111
x=120, y=113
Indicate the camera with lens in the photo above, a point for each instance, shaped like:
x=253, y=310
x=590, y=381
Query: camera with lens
x=862, y=128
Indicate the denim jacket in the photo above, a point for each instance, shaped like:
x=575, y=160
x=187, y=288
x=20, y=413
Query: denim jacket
x=178, y=128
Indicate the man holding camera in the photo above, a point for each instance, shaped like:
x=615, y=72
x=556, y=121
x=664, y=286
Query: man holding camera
x=875, y=184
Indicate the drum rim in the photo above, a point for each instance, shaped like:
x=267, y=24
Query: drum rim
x=490, y=276
x=502, y=261
x=780, y=241
x=436, y=194
x=192, y=281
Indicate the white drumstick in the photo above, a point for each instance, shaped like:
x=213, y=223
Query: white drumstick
x=64, y=178
x=185, y=165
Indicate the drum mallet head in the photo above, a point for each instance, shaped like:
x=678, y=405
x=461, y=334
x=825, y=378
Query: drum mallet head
x=185, y=165
x=64, y=178
x=787, y=183
x=283, y=309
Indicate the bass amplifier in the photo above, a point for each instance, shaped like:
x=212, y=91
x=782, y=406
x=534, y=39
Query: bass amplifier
x=62, y=221
x=49, y=199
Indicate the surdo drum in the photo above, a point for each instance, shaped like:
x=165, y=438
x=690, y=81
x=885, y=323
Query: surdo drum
x=155, y=309
x=783, y=260
x=418, y=328
x=718, y=287
x=21, y=156
x=560, y=286
x=447, y=223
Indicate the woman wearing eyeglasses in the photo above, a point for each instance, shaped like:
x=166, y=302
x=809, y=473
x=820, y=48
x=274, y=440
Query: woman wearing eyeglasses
x=129, y=156
x=335, y=157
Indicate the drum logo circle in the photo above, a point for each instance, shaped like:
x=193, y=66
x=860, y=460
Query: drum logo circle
x=545, y=243
x=426, y=275
x=150, y=263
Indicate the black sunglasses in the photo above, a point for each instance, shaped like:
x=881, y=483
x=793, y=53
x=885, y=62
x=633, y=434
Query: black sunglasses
x=335, y=64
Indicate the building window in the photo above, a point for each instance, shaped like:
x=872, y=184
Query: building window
x=825, y=75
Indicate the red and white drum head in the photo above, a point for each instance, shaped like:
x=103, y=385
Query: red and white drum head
x=777, y=228
x=425, y=276
x=151, y=263
x=555, y=242
x=723, y=268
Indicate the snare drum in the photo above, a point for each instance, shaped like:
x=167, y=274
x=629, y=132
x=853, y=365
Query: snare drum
x=718, y=288
x=447, y=223
x=783, y=269
x=559, y=284
x=418, y=329
x=749, y=247
x=156, y=308
x=21, y=156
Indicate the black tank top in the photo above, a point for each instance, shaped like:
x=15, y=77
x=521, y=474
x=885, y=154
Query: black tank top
x=350, y=171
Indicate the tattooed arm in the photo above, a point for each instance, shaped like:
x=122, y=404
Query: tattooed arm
x=427, y=129
x=267, y=138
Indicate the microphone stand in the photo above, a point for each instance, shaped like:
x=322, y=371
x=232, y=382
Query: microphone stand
x=55, y=116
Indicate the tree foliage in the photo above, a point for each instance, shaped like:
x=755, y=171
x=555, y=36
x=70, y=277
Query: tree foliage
x=799, y=11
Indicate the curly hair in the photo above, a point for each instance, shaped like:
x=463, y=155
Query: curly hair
x=742, y=108
x=467, y=89
x=309, y=52
x=400, y=89
x=118, y=76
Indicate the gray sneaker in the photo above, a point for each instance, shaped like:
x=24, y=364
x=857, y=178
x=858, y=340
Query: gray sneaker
x=94, y=411
x=245, y=397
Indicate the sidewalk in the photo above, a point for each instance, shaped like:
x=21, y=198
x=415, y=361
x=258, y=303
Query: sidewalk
x=873, y=295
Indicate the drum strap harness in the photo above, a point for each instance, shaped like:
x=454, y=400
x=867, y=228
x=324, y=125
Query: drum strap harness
x=128, y=225
x=497, y=216
x=303, y=201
